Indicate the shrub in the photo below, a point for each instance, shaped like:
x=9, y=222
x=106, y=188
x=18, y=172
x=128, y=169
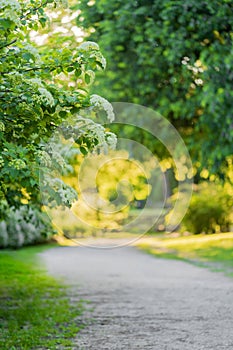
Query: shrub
x=24, y=226
x=210, y=210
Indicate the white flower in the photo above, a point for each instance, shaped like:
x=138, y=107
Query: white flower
x=102, y=103
x=94, y=47
x=66, y=193
x=97, y=132
x=64, y=3
x=44, y=158
x=199, y=81
x=99, y=58
x=89, y=45
x=46, y=96
x=11, y=10
x=92, y=129
x=111, y=140
x=36, y=82
x=57, y=158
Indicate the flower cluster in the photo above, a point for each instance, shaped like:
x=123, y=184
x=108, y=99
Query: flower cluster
x=198, y=66
x=66, y=193
x=196, y=69
x=89, y=45
x=92, y=46
x=44, y=158
x=86, y=127
x=25, y=225
x=58, y=159
x=94, y=131
x=101, y=103
x=86, y=133
x=46, y=96
x=111, y=140
x=64, y=3
x=17, y=164
x=36, y=82
x=11, y=10
x=99, y=58
x=38, y=92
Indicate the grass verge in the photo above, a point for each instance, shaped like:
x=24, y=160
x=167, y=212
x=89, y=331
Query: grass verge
x=35, y=312
x=214, y=251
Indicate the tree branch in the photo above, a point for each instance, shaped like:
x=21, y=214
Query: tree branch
x=8, y=44
x=34, y=10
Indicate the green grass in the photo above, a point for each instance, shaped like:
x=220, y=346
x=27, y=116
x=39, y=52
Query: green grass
x=35, y=312
x=214, y=251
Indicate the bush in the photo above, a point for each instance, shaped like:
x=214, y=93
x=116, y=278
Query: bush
x=210, y=210
x=24, y=226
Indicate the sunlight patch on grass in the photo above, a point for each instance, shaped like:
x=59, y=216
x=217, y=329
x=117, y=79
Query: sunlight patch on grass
x=209, y=248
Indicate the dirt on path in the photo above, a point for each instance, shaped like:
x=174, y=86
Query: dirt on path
x=140, y=302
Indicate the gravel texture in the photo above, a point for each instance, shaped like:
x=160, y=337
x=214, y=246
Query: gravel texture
x=140, y=302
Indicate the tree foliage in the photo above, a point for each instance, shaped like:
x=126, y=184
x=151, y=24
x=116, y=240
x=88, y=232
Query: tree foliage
x=175, y=57
x=208, y=216
x=39, y=89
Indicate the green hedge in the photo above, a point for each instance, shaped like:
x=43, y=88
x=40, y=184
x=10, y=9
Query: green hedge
x=24, y=226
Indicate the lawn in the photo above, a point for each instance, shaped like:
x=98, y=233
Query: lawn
x=214, y=251
x=35, y=312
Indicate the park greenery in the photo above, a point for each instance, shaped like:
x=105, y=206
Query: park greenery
x=170, y=56
x=212, y=251
x=175, y=57
x=57, y=58
x=40, y=88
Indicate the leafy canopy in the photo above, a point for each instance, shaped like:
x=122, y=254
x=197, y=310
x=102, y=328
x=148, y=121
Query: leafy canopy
x=40, y=87
x=173, y=56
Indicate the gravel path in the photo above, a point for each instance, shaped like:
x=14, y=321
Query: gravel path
x=141, y=302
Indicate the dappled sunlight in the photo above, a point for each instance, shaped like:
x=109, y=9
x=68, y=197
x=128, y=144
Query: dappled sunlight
x=216, y=248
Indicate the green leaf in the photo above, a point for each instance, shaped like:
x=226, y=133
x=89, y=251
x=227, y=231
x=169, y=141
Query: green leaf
x=43, y=21
x=70, y=69
x=6, y=23
x=83, y=150
x=78, y=72
x=74, y=110
x=63, y=114
x=87, y=79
